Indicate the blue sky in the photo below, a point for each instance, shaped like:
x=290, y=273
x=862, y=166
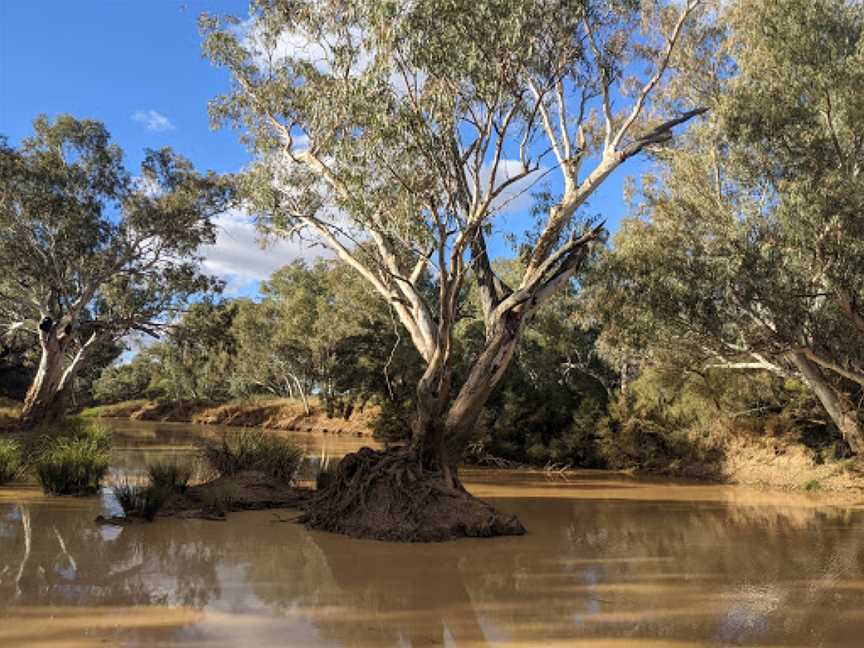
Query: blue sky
x=136, y=65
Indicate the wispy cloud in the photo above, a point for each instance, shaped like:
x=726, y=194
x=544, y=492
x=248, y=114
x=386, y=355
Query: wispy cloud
x=238, y=258
x=153, y=120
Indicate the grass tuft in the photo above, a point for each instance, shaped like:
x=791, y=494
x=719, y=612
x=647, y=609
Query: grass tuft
x=813, y=485
x=141, y=501
x=71, y=457
x=172, y=475
x=10, y=460
x=326, y=471
x=253, y=450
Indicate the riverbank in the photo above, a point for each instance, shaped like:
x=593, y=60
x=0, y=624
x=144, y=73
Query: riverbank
x=268, y=413
x=757, y=460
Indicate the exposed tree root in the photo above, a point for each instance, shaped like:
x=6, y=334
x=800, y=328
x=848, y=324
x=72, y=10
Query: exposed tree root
x=385, y=495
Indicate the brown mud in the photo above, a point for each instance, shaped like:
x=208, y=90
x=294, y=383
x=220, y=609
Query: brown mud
x=248, y=491
x=373, y=495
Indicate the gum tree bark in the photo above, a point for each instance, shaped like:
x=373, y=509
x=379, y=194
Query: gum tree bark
x=842, y=414
x=46, y=398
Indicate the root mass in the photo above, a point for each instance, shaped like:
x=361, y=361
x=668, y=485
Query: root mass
x=386, y=495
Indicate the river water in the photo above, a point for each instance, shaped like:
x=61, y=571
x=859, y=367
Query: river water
x=609, y=561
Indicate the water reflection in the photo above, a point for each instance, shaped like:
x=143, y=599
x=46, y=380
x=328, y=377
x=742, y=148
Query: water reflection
x=655, y=567
x=137, y=443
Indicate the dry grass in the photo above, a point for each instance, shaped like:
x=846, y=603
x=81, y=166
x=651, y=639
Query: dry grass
x=778, y=462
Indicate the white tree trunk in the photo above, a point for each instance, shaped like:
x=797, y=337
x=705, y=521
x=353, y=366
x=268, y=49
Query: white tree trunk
x=841, y=414
x=41, y=404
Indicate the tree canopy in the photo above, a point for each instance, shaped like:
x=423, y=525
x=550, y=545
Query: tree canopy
x=92, y=253
x=746, y=252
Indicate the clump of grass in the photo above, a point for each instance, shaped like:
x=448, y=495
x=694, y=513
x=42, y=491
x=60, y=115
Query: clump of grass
x=72, y=467
x=219, y=497
x=141, y=501
x=71, y=457
x=326, y=471
x=172, y=475
x=253, y=450
x=10, y=460
x=813, y=485
x=73, y=428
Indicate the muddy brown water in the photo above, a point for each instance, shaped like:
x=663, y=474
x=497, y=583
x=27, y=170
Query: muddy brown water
x=609, y=561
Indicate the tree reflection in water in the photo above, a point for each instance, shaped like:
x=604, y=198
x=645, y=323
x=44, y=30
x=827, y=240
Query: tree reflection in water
x=646, y=572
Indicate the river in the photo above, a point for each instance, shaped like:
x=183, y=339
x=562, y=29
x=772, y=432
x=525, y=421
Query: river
x=609, y=561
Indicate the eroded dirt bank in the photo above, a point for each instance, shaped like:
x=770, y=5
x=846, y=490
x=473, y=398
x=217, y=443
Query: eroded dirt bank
x=275, y=414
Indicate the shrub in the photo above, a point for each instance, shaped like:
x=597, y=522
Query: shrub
x=393, y=421
x=9, y=413
x=245, y=450
x=141, y=501
x=70, y=458
x=172, y=475
x=10, y=460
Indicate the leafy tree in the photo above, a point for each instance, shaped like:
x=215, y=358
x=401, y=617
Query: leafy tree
x=199, y=353
x=317, y=329
x=406, y=126
x=749, y=252
x=128, y=381
x=91, y=253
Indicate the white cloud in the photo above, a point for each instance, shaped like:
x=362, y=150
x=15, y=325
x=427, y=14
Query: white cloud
x=238, y=258
x=517, y=198
x=153, y=120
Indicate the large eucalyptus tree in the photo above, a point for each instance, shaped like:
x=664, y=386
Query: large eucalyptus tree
x=395, y=132
x=90, y=253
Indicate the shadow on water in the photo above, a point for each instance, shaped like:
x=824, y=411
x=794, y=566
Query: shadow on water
x=663, y=565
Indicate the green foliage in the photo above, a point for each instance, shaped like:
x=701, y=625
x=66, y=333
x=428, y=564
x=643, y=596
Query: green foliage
x=126, y=382
x=71, y=209
x=72, y=428
x=10, y=460
x=393, y=422
x=72, y=466
x=197, y=358
x=170, y=475
x=745, y=251
x=69, y=457
x=644, y=442
x=141, y=501
x=813, y=485
x=546, y=408
x=253, y=450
